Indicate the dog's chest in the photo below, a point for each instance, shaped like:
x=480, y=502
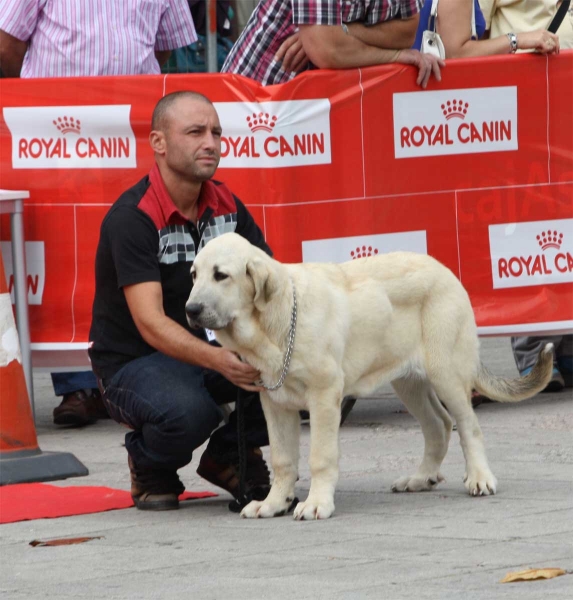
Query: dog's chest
x=289, y=396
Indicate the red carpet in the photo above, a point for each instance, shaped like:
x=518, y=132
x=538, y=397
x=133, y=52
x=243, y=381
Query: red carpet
x=27, y=501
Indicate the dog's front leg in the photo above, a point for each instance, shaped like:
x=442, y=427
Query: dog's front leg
x=284, y=433
x=324, y=426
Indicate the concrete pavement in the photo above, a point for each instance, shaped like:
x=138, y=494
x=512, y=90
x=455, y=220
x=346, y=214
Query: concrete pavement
x=378, y=545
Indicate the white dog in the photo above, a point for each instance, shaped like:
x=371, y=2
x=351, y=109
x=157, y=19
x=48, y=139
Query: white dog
x=319, y=332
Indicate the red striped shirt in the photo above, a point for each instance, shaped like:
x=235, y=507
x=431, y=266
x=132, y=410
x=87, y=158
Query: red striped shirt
x=273, y=21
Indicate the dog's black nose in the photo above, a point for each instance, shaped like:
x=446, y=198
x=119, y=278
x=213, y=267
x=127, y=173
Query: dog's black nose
x=193, y=309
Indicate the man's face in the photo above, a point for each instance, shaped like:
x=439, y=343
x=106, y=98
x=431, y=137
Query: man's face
x=192, y=140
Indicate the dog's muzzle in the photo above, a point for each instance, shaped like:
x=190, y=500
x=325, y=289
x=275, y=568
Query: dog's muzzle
x=193, y=311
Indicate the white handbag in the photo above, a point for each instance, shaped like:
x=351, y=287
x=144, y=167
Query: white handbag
x=431, y=40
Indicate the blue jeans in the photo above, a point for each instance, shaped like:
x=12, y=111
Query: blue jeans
x=68, y=383
x=172, y=408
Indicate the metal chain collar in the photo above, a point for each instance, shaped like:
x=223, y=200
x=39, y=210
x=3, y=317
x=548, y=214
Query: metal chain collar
x=290, y=347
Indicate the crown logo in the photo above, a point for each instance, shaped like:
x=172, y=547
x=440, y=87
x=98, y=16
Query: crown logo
x=455, y=108
x=68, y=125
x=550, y=239
x=363, y=252
x=262, y=121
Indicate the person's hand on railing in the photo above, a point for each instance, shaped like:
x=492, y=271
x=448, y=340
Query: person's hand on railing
x=292, y=54
x=541, y=41
x=426, y=64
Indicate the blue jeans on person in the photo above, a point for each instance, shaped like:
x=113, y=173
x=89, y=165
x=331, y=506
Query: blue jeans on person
x=68, y=383
x=172, y=408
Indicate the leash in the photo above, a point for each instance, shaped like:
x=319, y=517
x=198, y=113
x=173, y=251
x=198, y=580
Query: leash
x=237, y=504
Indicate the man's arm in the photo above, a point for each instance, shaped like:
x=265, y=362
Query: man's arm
x=12, y=51
x=393, y=34
x=162, y=56
x=145, y=302
x=329, y=47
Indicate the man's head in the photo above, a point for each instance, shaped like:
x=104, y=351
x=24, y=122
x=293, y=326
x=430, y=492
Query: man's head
x=186, y=135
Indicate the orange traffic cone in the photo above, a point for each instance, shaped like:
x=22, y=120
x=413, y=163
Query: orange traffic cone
x=21, y=460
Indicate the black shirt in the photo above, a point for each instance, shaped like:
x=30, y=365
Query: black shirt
x=145, y=238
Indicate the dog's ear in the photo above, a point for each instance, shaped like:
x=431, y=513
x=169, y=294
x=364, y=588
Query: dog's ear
x=264, y=281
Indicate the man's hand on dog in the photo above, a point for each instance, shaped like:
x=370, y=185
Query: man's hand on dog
x=237, y=372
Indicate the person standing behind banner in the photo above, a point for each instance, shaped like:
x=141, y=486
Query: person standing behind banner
x=285, y=37
x=63, y=38
x=455, y=29
x=60, y=38
x=503, y=16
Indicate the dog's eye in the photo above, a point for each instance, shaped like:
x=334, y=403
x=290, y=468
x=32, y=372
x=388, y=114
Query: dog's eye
x=193, y=275
x=220, y=276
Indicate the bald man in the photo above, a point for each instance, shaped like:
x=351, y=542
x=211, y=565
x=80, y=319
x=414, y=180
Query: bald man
x=159, y=377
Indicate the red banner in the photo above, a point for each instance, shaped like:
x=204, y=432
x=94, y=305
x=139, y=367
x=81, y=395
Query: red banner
x=476, y=170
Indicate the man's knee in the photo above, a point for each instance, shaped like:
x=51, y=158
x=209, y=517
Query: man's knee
x=193, y=425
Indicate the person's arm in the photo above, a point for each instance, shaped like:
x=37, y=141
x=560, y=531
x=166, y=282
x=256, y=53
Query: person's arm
x=145, y=302
x=176, y=28
x=329, y=47
x=162, y=56
x=12, y=51
x=393, y=34
x=454, y=27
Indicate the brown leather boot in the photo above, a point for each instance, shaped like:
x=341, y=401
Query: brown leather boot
x=80, y=408
x=154, y=490
x=222, y=470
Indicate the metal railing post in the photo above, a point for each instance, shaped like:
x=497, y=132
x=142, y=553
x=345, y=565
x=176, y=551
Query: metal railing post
x=211, y=35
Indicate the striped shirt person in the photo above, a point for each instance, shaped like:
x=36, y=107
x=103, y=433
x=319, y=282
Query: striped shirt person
x=67, y=38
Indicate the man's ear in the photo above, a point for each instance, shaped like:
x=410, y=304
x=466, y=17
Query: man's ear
x=264, y=281
x=157, y=141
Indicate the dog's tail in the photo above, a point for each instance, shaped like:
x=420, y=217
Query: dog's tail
x=520, y=388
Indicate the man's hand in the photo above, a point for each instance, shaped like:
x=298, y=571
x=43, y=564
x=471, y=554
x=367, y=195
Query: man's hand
x=236, y=371
x=292, y=54
x=12, y=51
x=426, y=63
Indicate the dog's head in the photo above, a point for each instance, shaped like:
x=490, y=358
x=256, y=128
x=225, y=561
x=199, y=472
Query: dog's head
x=231, y=277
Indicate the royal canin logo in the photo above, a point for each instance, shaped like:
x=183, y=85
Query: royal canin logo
x=272, y=146
x=528, y=255
x=339, y=250
x=274, y=134
x=363, y=252
x=455, y=109
x=71, y=137
x=262, y=121
x=538, y=264
x=465, y=133
x=82, y=147
x=68, y=125
x=455, y=122
x=550, y=239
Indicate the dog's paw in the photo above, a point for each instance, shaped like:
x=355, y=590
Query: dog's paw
x=311, y=511
x=480, y=483
x=417, y=483
x=263, y=510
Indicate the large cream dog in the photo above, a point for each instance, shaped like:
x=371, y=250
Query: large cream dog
x=399, y=317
